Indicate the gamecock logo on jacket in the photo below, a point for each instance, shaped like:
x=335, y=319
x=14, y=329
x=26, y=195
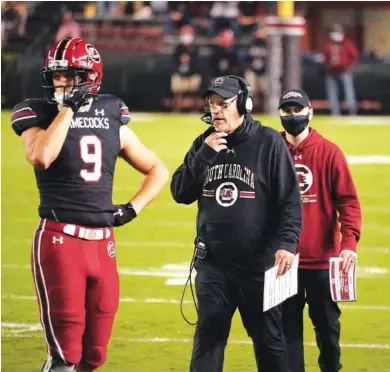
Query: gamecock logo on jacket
x=305, y=177
x=226, y=194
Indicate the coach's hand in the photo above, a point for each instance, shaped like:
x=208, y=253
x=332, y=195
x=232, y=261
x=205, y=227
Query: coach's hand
x=79, y=97
x=349, y=259
x=284, y=259
x=123, y=213
x=217, y=141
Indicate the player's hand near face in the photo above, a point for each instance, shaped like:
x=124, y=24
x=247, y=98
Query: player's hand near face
x=79, y=97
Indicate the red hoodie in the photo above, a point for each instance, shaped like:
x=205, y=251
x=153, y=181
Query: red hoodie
x=340, y=57
x=327, y=188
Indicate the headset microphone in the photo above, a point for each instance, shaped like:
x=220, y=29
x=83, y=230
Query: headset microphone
x=206, y=118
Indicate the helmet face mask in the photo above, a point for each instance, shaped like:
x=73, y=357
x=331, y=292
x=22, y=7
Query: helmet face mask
x=79, y=78
x=78, y=59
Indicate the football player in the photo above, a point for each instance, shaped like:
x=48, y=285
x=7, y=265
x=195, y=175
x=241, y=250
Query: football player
x=73, y=138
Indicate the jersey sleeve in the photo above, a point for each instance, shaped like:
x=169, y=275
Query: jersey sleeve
x=24, y=116
x=124, y=113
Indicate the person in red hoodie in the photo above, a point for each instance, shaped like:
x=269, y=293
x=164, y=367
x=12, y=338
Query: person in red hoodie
x=330, y=208
x=340, y=56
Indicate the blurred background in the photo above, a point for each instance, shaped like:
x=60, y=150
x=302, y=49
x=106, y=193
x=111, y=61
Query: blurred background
x=159, y=55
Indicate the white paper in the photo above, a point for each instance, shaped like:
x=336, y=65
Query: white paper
x=278, y=289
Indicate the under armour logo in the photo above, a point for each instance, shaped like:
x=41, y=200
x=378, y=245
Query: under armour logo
x=120, y=213
x=60, y=240
x=99, y=112
x=230, y=151
x=296, y=157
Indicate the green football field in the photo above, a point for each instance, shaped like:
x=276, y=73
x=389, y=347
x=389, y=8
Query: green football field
x=154, y=251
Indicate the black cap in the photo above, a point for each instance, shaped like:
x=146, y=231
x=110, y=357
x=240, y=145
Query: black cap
x=225, y=86
x=297, y=96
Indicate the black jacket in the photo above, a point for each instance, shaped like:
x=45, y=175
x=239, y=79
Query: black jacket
x=249, y=203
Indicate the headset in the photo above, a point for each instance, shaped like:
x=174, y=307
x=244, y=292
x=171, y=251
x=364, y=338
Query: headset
x=245, y=96
x=244, y=100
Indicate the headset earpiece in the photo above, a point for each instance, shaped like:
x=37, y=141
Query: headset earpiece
x=245, y=97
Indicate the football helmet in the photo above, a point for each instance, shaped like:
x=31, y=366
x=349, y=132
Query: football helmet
x=78, y=58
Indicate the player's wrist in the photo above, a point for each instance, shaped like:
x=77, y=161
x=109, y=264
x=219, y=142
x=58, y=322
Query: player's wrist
x=71, y=105
x=67, y=110
x=124, y=213
x=131, y=212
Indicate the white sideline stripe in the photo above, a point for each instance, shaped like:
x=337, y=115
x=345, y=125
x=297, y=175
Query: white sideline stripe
x=368, y=159
x=21, y=327
x=366, y=271
x=156, y=244
x=177, y=273
x=243, y=342
x=359, y=120
x=32, y=327
x=123, y=299
x=15, y=266
x=140, y=116
x=181, y=273
x=365, y=307
x=158, y=273
x=17, y=297
x=374, y=249
x=177, y=301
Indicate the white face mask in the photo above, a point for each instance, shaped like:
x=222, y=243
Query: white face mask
x=60, y=97
x=186, y=39
x=336, y=36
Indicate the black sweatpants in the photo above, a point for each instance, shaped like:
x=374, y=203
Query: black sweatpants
x=313, y=289
x=219, y=294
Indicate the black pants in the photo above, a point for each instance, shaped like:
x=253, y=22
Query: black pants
x=219, y=294
x=313, y=288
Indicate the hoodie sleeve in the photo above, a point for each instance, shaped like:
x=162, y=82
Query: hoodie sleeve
x=287, y=197
x=347, y=202
x=353, y=54
x=186, y=184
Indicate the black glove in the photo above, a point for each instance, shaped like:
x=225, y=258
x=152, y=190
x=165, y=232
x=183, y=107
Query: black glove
x=79, y=97
x=123, y=213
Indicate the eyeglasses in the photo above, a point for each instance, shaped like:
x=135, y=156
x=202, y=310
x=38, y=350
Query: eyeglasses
x=221, y=105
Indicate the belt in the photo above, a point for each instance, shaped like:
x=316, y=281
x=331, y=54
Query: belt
x=86, y=233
